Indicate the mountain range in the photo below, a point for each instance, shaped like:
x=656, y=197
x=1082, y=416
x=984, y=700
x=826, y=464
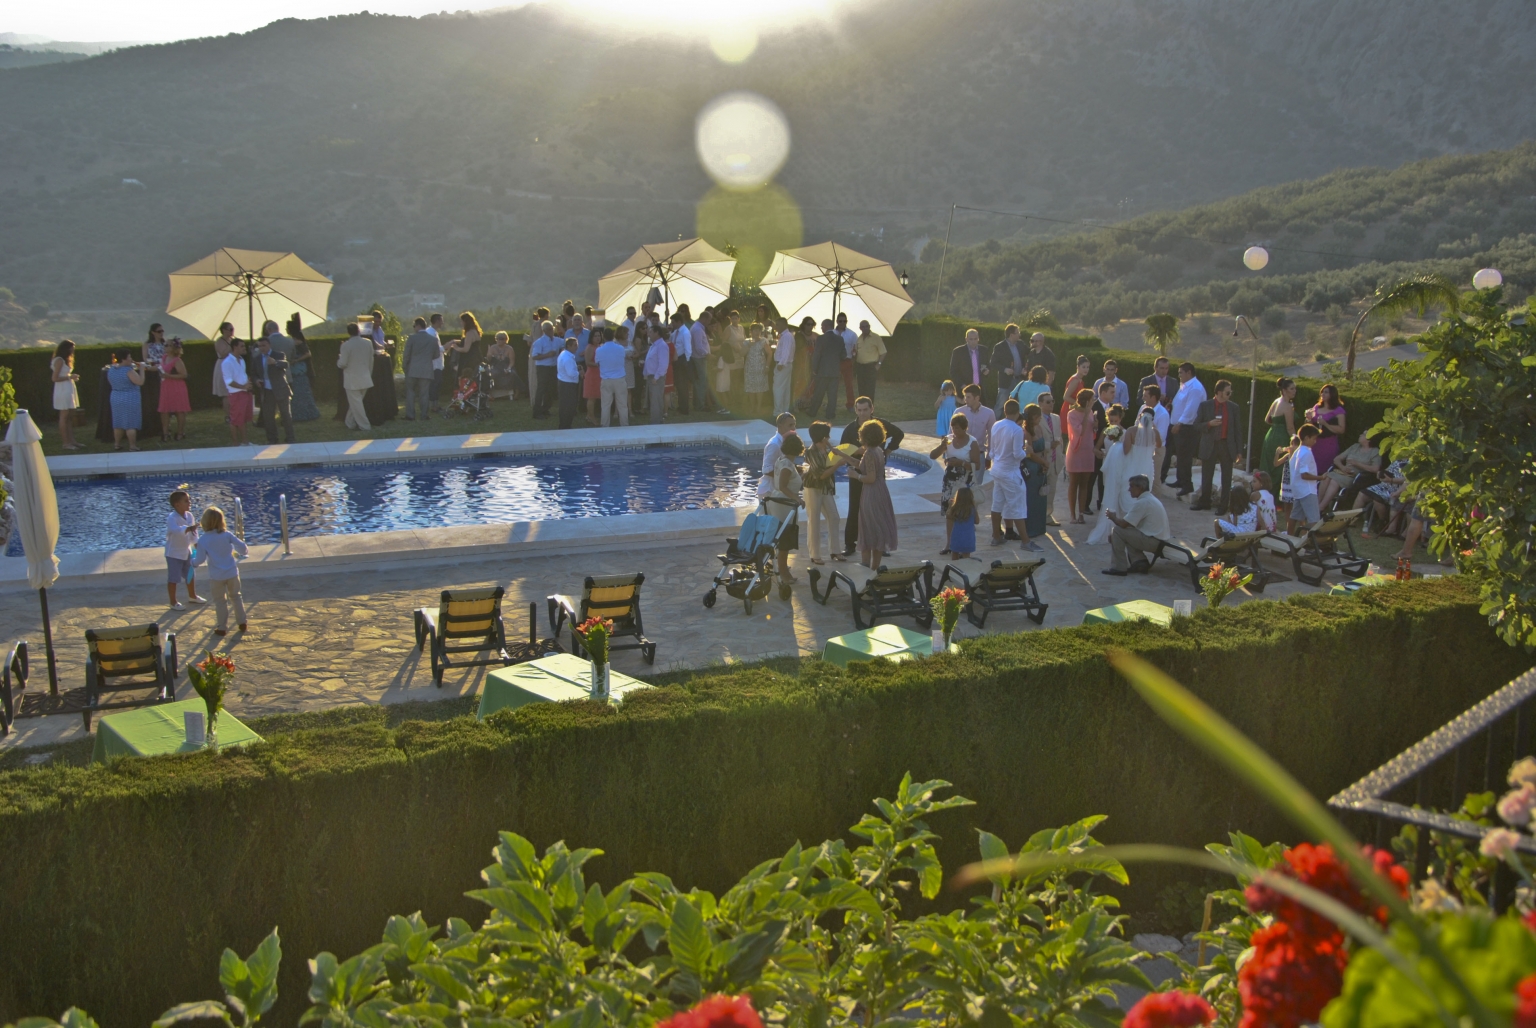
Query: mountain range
x=513, y=157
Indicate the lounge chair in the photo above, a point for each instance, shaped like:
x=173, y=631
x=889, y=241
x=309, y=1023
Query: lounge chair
x=13, y=679
x=613, y=597
x=888, y=592
x=1240, y=552
x=113, y=654
x=1326, y=546
x=1004, y=585
x=465, y=621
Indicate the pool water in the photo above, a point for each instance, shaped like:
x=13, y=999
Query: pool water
x=98, y=514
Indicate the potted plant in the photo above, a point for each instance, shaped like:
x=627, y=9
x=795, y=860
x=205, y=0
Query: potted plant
x=211, y=679
x=594, y=633
x=946, y=615
x=1221, y=583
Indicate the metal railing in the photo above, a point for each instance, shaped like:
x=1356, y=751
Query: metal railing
x=1471, y=753
x=282, y=518
x=239, y=518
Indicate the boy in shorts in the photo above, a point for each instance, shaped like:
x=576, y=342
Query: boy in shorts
x=1304, y=479
x=180, y=533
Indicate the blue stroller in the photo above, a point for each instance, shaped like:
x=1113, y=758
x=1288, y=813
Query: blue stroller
x=748, y=566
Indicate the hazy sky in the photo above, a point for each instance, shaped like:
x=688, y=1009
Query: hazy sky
x=165, y=20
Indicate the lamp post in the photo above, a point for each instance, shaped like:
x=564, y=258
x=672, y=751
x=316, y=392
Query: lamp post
x=904, y=279
x=1253, y=387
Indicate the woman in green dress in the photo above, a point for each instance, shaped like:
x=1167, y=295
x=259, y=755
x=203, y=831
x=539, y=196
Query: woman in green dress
x=1281, y=420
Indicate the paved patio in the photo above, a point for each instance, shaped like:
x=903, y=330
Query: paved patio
x=344, y=635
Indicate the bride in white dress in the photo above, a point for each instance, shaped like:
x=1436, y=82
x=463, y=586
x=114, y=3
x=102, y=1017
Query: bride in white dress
x=1125, y=457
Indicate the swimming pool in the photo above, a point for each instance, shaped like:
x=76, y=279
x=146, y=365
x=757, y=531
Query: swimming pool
x=128, y=512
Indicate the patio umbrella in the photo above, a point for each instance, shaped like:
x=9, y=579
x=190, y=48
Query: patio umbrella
x=37, y=518
x=689, y=271
x=246, y=285
x=828, y=279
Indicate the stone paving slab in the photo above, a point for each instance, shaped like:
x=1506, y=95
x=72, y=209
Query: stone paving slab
x=342, y=635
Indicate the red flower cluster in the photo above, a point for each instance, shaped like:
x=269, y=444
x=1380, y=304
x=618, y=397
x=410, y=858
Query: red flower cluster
x=1298, y=962
x=1169, y=1010
x=219, y=661
x=717, y=1012
x=1525, y=1002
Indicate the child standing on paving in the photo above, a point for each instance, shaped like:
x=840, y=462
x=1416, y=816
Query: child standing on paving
x=221, y=549
x=180, y=530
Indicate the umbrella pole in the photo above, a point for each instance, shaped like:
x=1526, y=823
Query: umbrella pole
x=53, y=672
x=250, y=309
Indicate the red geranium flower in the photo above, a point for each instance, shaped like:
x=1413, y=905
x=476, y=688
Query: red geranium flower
x=1169, y=1010
x=717, y=1012
x=1525, y=1007
x=1321, y=868
x=1289, y=978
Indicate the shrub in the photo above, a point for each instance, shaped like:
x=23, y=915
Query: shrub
x=326, y=831
x=1273, y=318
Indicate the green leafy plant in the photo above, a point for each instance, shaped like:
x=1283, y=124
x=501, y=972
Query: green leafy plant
x=594, y=634
x=946, y=606
x=1222, y=582
x=1162, y=332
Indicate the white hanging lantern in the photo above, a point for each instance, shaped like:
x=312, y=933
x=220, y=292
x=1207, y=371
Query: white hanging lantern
x=1255, y=258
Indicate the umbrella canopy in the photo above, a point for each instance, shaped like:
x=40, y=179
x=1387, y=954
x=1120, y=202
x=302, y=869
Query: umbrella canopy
x=37, y=509
x=246, y=287
x=688, y=271
x=828, y=279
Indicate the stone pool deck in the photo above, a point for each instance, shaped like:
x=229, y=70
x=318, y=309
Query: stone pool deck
x=341, y=634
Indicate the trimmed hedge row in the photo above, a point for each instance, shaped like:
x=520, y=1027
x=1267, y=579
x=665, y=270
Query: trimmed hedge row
x=127, y=881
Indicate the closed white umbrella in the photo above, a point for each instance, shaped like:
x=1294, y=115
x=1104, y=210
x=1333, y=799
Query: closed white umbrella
x=246, y=285
x=689, y=271
x=37, y=517
x=828, y=279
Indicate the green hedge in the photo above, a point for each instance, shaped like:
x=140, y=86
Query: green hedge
x=919, y=350
x=126, y=881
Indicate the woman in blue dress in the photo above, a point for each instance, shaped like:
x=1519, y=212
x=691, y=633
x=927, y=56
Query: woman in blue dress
x=1034, y=474
x=301, y=375
x=125, y=377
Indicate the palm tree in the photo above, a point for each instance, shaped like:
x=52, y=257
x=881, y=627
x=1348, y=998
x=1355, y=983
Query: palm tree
x=1415, y=294
x=1041, y=318
x=1162, y=332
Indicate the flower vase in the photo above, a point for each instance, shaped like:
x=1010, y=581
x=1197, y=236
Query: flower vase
x=943, y=642
x=211, y=736
x=600, y=680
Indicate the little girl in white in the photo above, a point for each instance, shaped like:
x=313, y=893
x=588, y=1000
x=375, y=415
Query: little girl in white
x=222, y=550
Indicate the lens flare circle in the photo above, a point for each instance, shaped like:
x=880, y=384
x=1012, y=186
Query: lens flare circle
x=1255, y=258
x=742, y=140
x=733, y=42
x=1487, y=278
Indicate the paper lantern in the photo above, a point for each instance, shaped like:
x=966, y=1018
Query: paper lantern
x=1488, y=278
x=1255, y=258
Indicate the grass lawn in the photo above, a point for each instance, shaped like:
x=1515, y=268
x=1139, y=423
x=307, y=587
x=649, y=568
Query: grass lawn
x=898, y=401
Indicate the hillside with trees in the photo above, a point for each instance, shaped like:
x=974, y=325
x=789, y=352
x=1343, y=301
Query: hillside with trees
x=512, y=157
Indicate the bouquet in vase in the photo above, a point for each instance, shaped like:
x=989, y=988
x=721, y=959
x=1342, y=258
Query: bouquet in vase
x=1221, y=583
x=211, y=679
x=946, y=611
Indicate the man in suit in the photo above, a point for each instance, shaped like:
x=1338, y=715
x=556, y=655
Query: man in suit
x=863, y=410
x=1167, y=385
x=1007, y=363
x=827, y=367
x=355, y=359
x=421, y=351
x=1218, y=423
x=276, y=394
x=968, y=364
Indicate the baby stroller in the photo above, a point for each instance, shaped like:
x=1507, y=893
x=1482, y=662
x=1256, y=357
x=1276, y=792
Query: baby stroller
x=748, y=566
x=473, y=395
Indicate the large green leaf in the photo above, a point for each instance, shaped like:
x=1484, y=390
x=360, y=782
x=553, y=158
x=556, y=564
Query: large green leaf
x=202, y=1010
x=688, y=939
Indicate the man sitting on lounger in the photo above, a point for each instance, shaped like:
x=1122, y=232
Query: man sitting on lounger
x=1139, y=528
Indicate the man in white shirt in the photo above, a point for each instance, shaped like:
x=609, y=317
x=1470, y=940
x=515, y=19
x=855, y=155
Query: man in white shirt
x=610, y=370
x=657, y=359
x=436, y=329
x=784, y=368
x=1137, y=531
x=1184, y=436
x=1151, y=400
x=544, y=352
x=237, y=384
x=355, y=359
x=682, y=362
x=1009, y=501
x=981, y=419
x=785, y=423
x=568, y=382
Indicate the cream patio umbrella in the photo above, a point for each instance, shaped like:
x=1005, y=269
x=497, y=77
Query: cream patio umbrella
x=828, y=279
x=37, y=518
x=246, y=285
x=689, y=271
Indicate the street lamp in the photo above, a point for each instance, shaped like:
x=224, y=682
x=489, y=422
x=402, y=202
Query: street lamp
x=904, y=279
x=1253, y=387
